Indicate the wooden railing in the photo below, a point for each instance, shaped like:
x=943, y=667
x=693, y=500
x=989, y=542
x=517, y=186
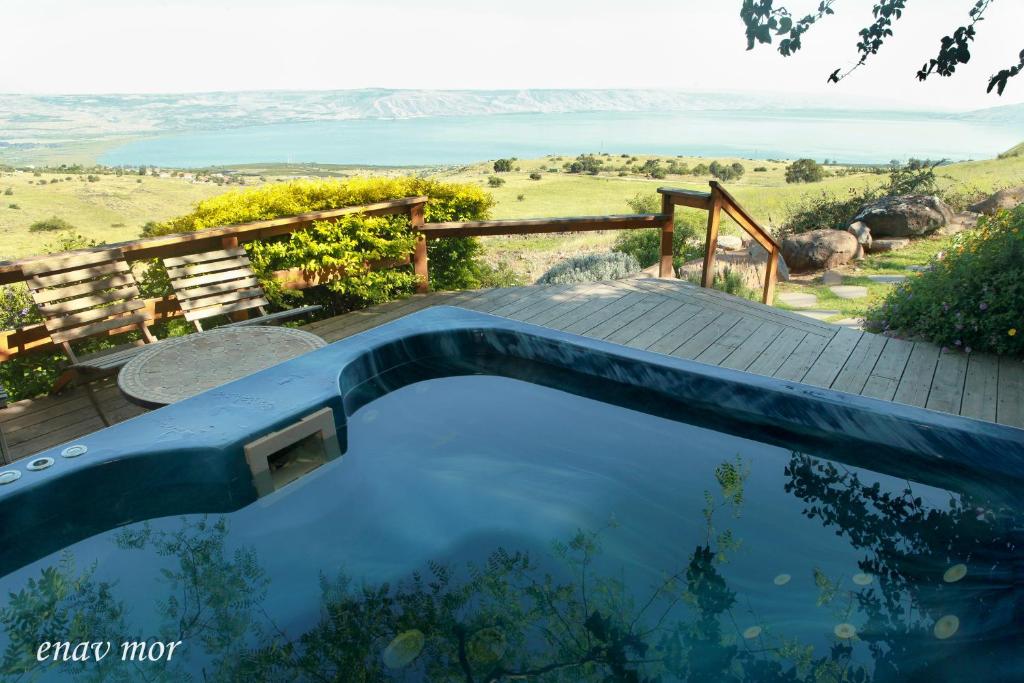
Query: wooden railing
x=714, y=202
x=35, y=337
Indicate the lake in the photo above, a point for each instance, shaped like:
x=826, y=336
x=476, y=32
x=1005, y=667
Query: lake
x=849, y=137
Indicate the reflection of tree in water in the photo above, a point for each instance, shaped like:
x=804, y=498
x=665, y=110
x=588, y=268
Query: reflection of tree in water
x=918, y=555
x=508, y=618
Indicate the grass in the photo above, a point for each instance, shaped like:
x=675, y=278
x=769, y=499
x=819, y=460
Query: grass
x=919, y=252
x=111, y=210
x=115, y=208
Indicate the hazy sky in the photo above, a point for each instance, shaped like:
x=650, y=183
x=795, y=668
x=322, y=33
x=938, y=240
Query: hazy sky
x=98, y=46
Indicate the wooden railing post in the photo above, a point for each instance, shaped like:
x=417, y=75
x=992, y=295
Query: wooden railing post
x=711, y=241
x=419, y=258
x=770, y=276
x=666, y=267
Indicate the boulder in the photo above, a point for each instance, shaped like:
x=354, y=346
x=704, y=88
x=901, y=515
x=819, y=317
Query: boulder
x=730, y=242
x=819, y=249
x=905, y=216
x=862, y=232
x=1004, y=199
x=889, y=245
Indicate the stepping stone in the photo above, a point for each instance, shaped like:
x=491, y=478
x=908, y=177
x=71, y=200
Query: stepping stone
x=818, y=314
x=917, y=269
x=887, y=279
x=849, y=291
x=850, y=323
x=832, y=277
x=894, y=244
x=798, y=299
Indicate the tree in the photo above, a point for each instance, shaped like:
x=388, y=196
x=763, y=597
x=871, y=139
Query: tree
x=502, y=165
x=764, y=21
x=804, y=171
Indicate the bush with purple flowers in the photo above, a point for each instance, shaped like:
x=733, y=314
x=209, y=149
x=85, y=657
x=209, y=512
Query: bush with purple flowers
x=972, y=295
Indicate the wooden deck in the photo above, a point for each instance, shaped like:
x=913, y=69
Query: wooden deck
x=665, y=316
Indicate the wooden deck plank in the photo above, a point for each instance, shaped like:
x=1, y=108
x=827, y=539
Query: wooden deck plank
x=726, y=344
x=1010, y=404
x=782, y=347
x=564, y=315
x=752, y=347
x=917, y=377
x=860, y=364
x=594, y=320
x=829, y=364
x=803, y=357
x=649, y=336
x=885, y=377
x=947, y=390
x=673, y=339
x=611, y=325
x=698, y=343
x=981, y=388
x=664, y=308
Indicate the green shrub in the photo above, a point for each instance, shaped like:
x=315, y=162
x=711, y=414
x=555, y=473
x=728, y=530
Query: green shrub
x=51, y=224
x=591, y=268
x=9, y=191
x=804, y=171
x=726, y=172
x=502, y=165
x=729, y=282
x=13, y=206
x=495, y=181
x=827, y=210
x=454, y=263
x=970, y=297
x=535, y=176
x=645, y=245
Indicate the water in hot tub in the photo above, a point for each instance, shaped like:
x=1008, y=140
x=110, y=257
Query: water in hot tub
x=486, y=529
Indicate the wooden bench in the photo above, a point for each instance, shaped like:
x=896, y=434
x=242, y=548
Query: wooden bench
x=88, y=295
x=220, y=283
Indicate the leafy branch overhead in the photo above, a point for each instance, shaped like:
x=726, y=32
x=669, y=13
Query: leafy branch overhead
x=765, y=22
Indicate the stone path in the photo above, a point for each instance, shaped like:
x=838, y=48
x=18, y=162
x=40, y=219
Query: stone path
x=849, y=291
x=798, y=299
x=887, y=279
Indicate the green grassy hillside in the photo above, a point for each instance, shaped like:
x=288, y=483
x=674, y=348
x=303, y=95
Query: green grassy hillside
x=116, y=207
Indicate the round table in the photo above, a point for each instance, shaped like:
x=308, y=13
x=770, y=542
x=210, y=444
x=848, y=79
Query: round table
x=180, y=367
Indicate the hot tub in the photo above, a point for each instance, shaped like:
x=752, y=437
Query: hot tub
x=456, y=496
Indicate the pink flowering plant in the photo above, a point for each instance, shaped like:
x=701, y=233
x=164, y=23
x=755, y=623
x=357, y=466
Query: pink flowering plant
x=972, y=295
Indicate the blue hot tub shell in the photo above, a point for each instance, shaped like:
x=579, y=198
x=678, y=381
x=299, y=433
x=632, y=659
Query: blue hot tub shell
x=188, y=457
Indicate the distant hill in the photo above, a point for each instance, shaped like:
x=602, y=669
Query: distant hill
x=1008, y=115
x=1017, y=151
x=41, y=119
x=54, y=121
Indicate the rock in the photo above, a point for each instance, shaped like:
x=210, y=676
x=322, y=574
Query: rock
x=906, y=216
x=819, y=249
x=1004, y=199
x=730, y=243
x=832, y=277
x=798, y=299
x=887, y=279
x=862, y=232
x=749, y=265
x=849, y=291
x=758, y=254
x=879, y=246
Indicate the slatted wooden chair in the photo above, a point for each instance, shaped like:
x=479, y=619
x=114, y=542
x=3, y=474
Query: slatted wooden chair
x=5, y=452
x=219, y=283
x=88, y=295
